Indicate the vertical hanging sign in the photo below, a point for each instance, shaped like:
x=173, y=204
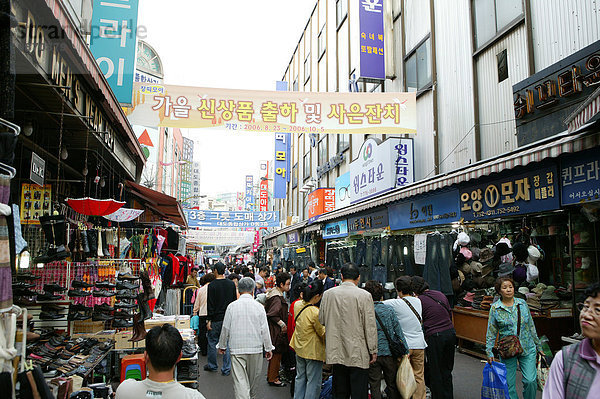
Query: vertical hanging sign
x=249, y=201
x=263, y=198
x=372, y=61
x=113, y=42
x=282, y=165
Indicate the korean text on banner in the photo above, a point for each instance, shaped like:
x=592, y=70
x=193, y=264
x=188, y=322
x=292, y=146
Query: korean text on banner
x=273, y=111
x=372, y=61
x=580, y=178
x=263, y=198
x=226, y=219
x=113, y=41
x=282, y=172
x=249, y=199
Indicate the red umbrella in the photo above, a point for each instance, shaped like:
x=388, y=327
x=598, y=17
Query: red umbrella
x=94, y=207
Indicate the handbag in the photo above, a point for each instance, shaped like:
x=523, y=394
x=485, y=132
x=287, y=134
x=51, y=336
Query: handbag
x=510, y=346
x=397, y=348
x=543, y=370
x=405, y=379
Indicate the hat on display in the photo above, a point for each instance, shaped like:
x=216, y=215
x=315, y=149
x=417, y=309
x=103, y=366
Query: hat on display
x=524, y=290
x=505, y=241
x=476, y=253
x=486, y=254
x=462, y=240
x=532, y=272
x=505, y=269
x=533, y=254
x=549, y=294
x=476, y=267
x=466, y=252
x=520, y=273
x=502, y=249
x=487, y=270
x=520, y=252
x=475, y=237
x=465, y=267
x=539, y=288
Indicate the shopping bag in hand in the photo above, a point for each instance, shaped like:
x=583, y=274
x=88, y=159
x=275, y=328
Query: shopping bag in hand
x=494, y=382
x=543, y=370
x=405, y=378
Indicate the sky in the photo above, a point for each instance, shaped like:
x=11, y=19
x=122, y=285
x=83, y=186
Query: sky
x=233, y=44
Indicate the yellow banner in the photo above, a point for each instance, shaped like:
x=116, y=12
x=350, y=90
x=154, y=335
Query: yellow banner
x=273, y=111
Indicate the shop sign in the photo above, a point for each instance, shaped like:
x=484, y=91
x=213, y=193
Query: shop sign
x=543, y=101
x=320, y=201
x=335, y=229
x=381, y=167
x=529, y=192
x=342, y=191
x=371, y=221
x=372, y=60
x=220, y=237
x=293, y=237
x=256, y=243
x=37, y=170
x=263, y=195
x=113, y=42
x=249, y=192
x=35, y=201
x=333, y=162
x=282, y=164
x=580, y=177
x=231, y=219
x=300, y=250
x=427, y=210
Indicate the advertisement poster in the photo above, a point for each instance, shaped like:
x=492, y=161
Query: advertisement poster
x=35, y=201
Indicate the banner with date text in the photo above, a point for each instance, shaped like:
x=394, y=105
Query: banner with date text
x=272, y=111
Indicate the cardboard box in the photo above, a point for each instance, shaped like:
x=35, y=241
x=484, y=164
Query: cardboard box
x=105, y=335
x=86, y=326
x=183, y=324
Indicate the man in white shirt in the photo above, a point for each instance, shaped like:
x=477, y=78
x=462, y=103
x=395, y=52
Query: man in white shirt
x=409, y=312
x=163, y=351
x=246, y=333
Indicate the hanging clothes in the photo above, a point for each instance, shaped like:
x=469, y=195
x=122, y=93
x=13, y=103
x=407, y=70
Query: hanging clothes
x=172, y=302
x=6, y=295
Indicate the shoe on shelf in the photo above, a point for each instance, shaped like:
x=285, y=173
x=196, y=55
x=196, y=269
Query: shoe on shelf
x=78, y=316
x=104, y=284
x=125, y=305
x=22, y=285
x=52, y=307
x=125, y=294
x=127, y=276
x=101, y=317
x=24, y=292
x=105, y=307
x=103, y=294
x=23, y=301
x=27, y=276
x=54, y=288
x=78, y=293
x=126, y=285
x=80, y=284
x=121, y=323
x=79, y=307
x=122, y=314
x=46, y=296
x=50, y=316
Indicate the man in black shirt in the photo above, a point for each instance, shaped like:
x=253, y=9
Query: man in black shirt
x=221, y=292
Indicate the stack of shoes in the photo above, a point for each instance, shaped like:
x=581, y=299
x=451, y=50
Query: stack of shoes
x=478, y=298
x=79, y=312
x=103, y=288
x=21, y=295
x=49, y=293
x=189, y=349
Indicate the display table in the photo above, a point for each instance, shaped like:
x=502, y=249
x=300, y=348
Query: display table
x=471, y=325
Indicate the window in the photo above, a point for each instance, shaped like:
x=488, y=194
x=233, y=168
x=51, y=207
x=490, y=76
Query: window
x=493, y=16
x=323, y=151
x=307, y=69
x=341, y=11
x=502, y=66
x=295, y=176
x=343, y=142
x=322, y=42
x=307, y=170
x=418, y=67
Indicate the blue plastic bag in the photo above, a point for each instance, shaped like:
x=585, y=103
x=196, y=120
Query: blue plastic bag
x=195, y=322
x=327, y=389
x=494, y=382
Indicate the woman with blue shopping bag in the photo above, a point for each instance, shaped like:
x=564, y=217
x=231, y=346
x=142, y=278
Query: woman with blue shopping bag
x=511, y=329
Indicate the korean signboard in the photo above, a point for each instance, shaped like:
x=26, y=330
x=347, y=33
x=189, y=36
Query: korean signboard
x=381, y=167
x=342, y=191
x=227, y=219
x=320, y=201
x=426, y=210
x=263, y=195
x=335, y=229
x=37, y=170
x=370, y=221
x=372, y=60
x=220, y=237
x=282, y=164
x=527, y=192
x=545, y=100
x=580, y=178
x=249, y=198
x=293, y=237
x=273, y=111
x=113, y=42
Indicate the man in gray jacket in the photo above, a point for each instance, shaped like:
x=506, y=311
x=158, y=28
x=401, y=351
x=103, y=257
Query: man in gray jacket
x=348, y=314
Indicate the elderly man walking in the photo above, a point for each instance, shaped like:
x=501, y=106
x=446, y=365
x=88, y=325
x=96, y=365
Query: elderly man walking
x=348, y=314
x=246, y=333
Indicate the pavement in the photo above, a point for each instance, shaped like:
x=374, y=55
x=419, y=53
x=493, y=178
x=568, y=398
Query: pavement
x=467, y=378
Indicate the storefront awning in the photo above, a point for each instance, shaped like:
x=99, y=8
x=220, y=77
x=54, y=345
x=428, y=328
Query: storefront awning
x=162, y=204
x=286, y=230
x=586, y=137
x=586, y=112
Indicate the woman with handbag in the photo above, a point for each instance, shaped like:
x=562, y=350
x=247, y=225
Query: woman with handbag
x=391, y=344
x=517, y=342
x=277, y=313
x=308, y=341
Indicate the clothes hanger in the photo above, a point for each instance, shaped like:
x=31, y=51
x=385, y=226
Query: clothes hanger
x=16, y=129
x=12, y=172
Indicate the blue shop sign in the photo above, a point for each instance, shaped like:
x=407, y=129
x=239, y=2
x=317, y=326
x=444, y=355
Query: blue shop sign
x=580, y=177
x=371, y=221
x=426, y=210
x=513, y=194
x=335, y=229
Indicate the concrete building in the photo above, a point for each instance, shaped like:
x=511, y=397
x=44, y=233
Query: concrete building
x=187, y=171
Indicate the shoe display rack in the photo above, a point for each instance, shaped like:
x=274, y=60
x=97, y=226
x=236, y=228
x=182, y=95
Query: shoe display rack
x=186, y=371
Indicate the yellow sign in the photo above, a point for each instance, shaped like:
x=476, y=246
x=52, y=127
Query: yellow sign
x=35, y=202
x=300, y=250
x=273, y=111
